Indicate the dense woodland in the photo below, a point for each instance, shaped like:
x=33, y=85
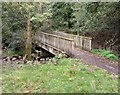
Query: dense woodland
x=99, y=20
x=92, y=71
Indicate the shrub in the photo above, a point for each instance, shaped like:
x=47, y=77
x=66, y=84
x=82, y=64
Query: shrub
x=106, y=53
x=112, y=57
x=95, y=51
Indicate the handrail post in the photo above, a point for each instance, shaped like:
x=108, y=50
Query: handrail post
x=81, y=41
x=90, y=44
x=72, y=47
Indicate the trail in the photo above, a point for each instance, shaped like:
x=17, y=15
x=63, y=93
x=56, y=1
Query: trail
x=98, y=61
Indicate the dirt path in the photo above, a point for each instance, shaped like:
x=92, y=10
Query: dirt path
x=90, y=58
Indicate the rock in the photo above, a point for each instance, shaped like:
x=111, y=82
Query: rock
x=8, y=59
x=13, y=59
x=4, y=58
x=30, y=62
x=20, y=57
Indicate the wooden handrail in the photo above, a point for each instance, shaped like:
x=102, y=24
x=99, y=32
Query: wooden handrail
x=72, y=35
x=57, y=36
x=79, y=36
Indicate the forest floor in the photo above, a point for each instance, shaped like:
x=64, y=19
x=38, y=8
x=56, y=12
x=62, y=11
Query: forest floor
x=90, y=58
x=69, y=75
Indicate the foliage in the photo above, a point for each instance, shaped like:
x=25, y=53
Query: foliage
x=94, y=16
x=106, y=53
x=11, y=23
x=14, y=18
x=57, y=57
x=69, y=17
x=61, y=16
x=82, y=17
x=11, y=53
x=14, y=21
x=69, y=76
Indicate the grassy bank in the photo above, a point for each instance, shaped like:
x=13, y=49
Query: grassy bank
x=69, y=75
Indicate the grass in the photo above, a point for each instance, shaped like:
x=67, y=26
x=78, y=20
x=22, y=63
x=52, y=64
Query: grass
x=69, y=75
x=106, y=53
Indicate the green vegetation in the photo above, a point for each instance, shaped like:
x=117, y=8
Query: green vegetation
x=69, y=75
x=21, y=21
x=12, y=53
x=106, y=53
x=66, y=17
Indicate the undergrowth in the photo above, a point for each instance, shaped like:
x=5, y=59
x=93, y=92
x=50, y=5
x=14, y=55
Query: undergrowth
x=106, y=53
x=9, y=52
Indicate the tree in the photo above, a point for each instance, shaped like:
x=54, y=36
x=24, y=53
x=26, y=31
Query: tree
x=96, y=16
x=21, y=21
x=61, y=16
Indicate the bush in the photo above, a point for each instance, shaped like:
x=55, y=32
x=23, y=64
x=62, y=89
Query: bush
x=106, y=53
x=95, y=51
x=112, y=57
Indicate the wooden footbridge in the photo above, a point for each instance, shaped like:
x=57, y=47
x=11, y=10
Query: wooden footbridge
x=75, y=46
x=57, y=42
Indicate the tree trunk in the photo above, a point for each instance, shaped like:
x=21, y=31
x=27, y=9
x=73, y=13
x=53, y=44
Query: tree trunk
x=28, y=44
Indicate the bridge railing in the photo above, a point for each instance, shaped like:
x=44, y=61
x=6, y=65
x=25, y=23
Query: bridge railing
x=62, y=43
x=82, y=42
x=79, y=41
